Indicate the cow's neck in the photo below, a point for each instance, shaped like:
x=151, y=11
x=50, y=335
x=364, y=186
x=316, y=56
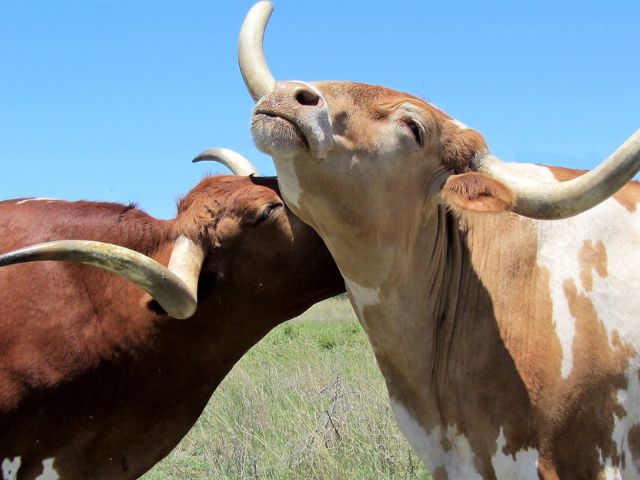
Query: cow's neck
x=433, y=328
x=403, y=299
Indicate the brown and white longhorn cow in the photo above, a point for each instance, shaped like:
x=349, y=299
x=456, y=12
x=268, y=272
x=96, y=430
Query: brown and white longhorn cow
x=509, y=342
x=97, y=380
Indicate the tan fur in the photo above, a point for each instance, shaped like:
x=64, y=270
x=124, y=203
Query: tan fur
x=475, y=191
x=458, y=310
x=592, y=257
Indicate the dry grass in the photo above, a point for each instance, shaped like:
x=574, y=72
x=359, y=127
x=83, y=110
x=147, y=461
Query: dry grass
x=308, y=402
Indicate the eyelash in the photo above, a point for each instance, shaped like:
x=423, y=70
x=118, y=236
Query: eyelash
x=416, y=130
x=266, y=213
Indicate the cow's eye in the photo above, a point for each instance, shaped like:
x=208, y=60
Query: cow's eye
x=416, y=130
x=267, y=212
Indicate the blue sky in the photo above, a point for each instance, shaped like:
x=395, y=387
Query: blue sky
x=110, y=100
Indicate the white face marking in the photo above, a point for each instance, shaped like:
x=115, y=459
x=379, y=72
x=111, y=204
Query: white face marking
x=10, y=468
x=48, y=472
x=523, y=465
x=559, y=245
x=48, y=200
x=457, y=461
x=288, y=181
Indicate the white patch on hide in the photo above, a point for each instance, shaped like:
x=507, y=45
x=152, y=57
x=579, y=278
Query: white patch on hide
x=48, y=472
x=613, y=473
x=559, y=246
x=629, y=399
x=10, y=468
x=362, y=296
x=457, y=461
x=523, y=465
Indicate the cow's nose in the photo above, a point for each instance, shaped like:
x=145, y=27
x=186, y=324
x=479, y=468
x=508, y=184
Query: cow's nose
x=307, y=97
x=303, y=104
x=299, y=94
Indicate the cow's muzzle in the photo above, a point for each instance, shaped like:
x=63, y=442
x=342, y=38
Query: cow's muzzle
x=301, y=106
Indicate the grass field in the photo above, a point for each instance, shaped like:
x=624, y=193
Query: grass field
x=308, y=402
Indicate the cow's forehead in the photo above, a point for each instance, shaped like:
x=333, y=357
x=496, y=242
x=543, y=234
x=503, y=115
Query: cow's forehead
x=359, y=110
x=229, y=192
x=366, y=96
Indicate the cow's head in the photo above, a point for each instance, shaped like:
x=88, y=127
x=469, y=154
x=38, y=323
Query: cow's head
x=256, y=249
x=233, y=236
x=330, y=139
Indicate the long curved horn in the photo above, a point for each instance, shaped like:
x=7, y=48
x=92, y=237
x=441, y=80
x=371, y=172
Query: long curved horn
x=235, y=162
x=566, y=199
x=175, y=288
x=253, y=65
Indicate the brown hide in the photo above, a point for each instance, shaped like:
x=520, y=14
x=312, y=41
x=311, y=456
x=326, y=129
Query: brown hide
x=98, y=378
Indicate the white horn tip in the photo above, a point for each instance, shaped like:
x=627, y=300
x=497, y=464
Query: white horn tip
x=235, y=162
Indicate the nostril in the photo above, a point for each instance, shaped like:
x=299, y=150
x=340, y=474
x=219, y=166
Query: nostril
x=307, y=98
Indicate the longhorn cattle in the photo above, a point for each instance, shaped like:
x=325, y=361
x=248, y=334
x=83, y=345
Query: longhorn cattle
x=99, y=379
x=509, y=341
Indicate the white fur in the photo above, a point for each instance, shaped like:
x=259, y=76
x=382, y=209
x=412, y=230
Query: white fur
x=629, y=399
x=559, y=245
x=10, y=468
x=459, y=124
x=48, y=200
x=48, y=472
x=613, y=295
x=523, y=465
x=457, y=461
x=288, y=181
x=362, y=296
x=613, y=473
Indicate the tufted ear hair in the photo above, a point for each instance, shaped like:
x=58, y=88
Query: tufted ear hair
x=477, y=192
x=459, y=145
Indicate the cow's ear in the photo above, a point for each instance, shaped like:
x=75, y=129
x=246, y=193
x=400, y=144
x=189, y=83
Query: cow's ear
x=477, y=192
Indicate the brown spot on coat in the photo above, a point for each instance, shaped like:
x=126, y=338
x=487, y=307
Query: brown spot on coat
x=440, y=474
x=586, y=406
x=592, y=257
x=633, y=437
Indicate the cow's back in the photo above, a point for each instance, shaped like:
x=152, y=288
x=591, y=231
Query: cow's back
x=65, y=330
x=573, y=331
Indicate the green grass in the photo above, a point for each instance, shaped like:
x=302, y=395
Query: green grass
x=307, y=402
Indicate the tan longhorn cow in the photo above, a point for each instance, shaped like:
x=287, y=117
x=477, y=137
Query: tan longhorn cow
x=501, y=300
